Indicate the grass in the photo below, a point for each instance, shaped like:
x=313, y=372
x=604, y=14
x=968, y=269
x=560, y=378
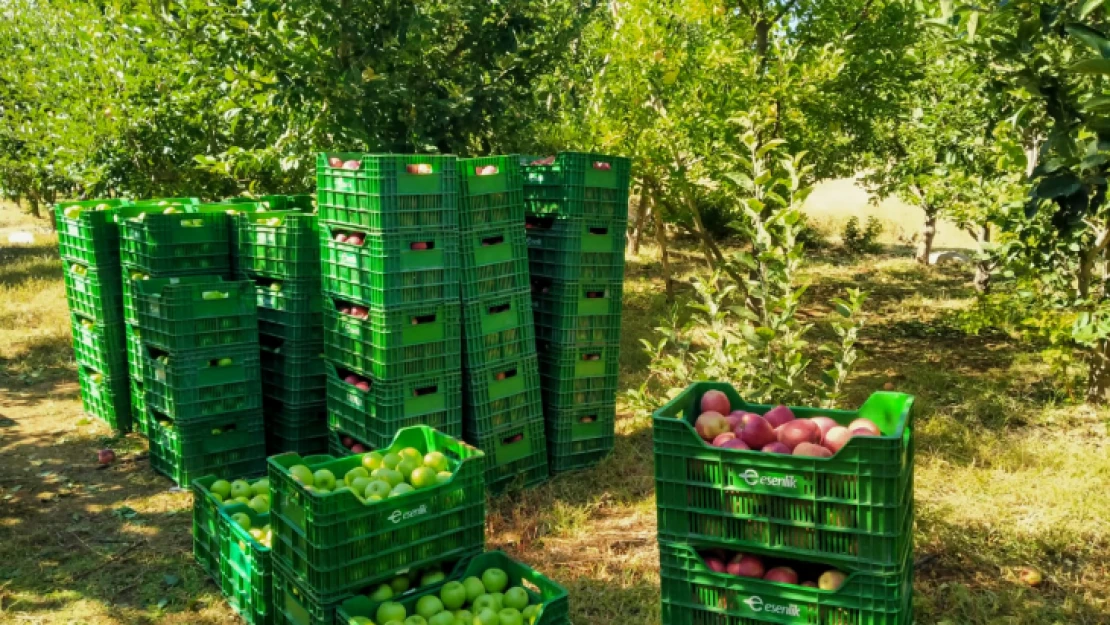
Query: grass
x=1008, y=474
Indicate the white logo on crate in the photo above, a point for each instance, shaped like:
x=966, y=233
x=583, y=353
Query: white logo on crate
x=757, y=605
x=74, y=230
x=399, y=516
x=348, y=259
x=753, y=478
x=343, y=184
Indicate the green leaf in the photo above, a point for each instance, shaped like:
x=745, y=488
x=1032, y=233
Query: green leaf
x=1058, y=186
x=1091, y=66
x=1088, y=6
x=1091, y=37
x=171, y=580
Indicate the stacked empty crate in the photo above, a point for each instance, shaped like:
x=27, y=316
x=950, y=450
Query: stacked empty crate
x=577, y=213
x=88, y=241
x=197, y=340
x=851, y=512
x=390, y=262
x=279, y=251
x=502, y=412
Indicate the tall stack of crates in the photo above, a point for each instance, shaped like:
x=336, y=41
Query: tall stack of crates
x=329, y=545
x=197, y=343
x=279, y=252
x=502, y=413
x=88, y=241
x=851, y=512
x=577, y=213
x=139, y=414
x=390, y=262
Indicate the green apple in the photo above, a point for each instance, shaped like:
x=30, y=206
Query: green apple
x=495, y=580
x=260, y=504
x=240, y=488
x=383, y=593
x=510, y=616
x=323, y=479
x=275, y=287
x=243, y=520
x=432, y=577
x=416, y=619
x=359, y=484
x=423, y=477
x=474, y=588
x=443, y=477
x=486, y=617
x=412, y=452
x=355, y=473
x=437, y=461
x=360, y=620
x=392, y=476
x=372, y=461
x=224, y=362
x=429, y=606
x=453, y=595
x=390, y=611
x=484, y=602
x=391, y=460
x=242, y=500
x=443, y=618
x=401, y=489
x=261, y=487
x=498, y=600
x=379, y=488
x=407, y=466
x=464, y=617
x=516, y=598
x=216, y=496
x=532, y=612
x=399, y=584
x=221, y=488
x=302, y=474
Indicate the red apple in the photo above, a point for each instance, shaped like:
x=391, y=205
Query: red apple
x=743, y=565
x=722, y=438
x=345, y=310
x=776, y=448
x=782, y=574
x=862, y=432
x=812, y=450
x=757, y=432
x=360, y=311
x=363, y=385
x=354, y=239
x=335, y=162
x=340, y=238
x=418, y=246
x=347, y=441
x=779, y=415
x=715, y=564
x=351, y=379
x=105, y=456
x=715, y=401
x=352, y=165
x=711, y=424
x=865, y=424
x=794, y=433
x=734, y=443
x=358, y=449
x=837, y=438
x=736, y=420
x=824, y=424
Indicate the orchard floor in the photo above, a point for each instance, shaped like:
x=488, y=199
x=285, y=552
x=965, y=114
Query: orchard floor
x=1009, y=473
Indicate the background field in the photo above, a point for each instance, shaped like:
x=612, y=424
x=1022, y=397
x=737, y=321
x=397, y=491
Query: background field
x=1008, y=474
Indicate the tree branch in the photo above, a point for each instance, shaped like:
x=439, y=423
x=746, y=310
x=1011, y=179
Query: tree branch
x=862, y=16
x=785, y=9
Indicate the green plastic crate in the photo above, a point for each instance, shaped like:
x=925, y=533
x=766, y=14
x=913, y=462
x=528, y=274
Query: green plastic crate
x=140, y=423
x=516, y=455
x=567, y=301
x=227, y=445
x=196, y=312
x=397, y=341
x=501, y=379
x=580, y=436
x=572, y=330
x=494, y=261
x=497, y=327
x=282, y=245
x=245, y=567
x=88, y=235
x=297, y=429
x=127, y=285
x=560, y=393
x=694, y=593
x=574, y=235
x=297, y=328
x=106, y=398
x=486, y=417
x=490, y=197
x=568, y=362
x=388, y=191
x=853, y=508
x=334, y=543
x=541, y=590
x=100, y=346
x=278, y=444
x=376, y=415
x=577, y=185
x=386, y=271
x=297, y=299
x=177, y=244
x=284, y=360
x=207, y=527
x=294, y=604
x=93, y=293
x=559, y=265
x=278, y=203
x=134, y=352
x=338, y=449
x=294, y=379
x=194, y=385
x=182, y=203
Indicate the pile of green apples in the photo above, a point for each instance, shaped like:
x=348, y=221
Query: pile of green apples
x=487, y=600
x=382, y=475
x=256, y=495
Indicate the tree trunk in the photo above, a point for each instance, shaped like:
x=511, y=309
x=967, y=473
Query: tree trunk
x=641, y=220
x=1098, y=384
x=982, y=266
x=34, y=207
x=925, y=248
x=661, y=240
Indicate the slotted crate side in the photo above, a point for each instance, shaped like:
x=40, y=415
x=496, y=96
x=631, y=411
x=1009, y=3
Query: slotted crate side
x=516, y=455
x=207, y=527
x=140, y=421
x=228, y=445
x=397, y=341
x=491, y=192
x=580, y=436
x=541, y=591
x=564, y=302
x=95, y=294
x=195, y=385
x=483, y=418
x=573, y=330
x=498, y=327
x=334, y=543
x=101, y=347
x=494, y=261
x=294, y=298
x=87, y=232
x=190, y=313
x=854, y=508
x=134, y=352
x=282, y=245
x=177, y=244
x=571, y=362
x=501, y=379
x=385, y=192
x=297, y=328
x=575, y=235
x=559, y=265
x=245, y=567
x=106, y=398
x=694, y=593
x=561, y=393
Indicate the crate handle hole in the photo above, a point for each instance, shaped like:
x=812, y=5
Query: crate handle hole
x=419, y=169
x=590, y=418
x=591, y=356
x=425, y=390
x=497, y=240
x=599, y=231
x=422, y=319
x=488, y=170
x=505, y=375
x=215, y=294
x=602, y=166
x=422, y=246
x=513, y=439
x=499, y=308
x=595, y=294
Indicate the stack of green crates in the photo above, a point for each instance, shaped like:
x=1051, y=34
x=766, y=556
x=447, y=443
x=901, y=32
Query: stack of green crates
x=88, y=241
x=851, y=512
x=502, y=413
x=139, y=414
x=577, y=213
x=390, y=261
x=197, y=340
x=330, y=545
x=279, y=252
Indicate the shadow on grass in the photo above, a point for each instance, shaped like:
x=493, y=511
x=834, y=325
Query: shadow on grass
x=37, y=370
x=24, y=263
